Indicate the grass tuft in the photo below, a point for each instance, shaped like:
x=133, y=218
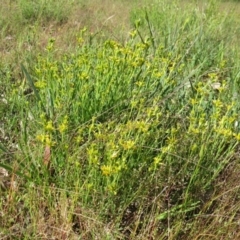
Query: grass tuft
x=128, y=137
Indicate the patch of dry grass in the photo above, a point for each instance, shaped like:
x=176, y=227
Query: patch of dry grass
x=19, y=40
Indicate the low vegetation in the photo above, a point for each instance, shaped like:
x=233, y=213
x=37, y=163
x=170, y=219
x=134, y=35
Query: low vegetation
x=119, y=126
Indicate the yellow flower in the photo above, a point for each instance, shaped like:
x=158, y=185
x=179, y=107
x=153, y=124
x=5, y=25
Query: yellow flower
x=64, y=125
x=140, y=83
x=40, y=84
x=49, y=127
x=237, y=137
x=157, y=160
x=128, y=144
x=194, y=101
x=225, y=132
x=142, y=126
x=194, y=130
x=218, y=103
x=93, y=154
x=106, y=170
x=213, y=76
x=40, y=137
x=84, y=76
x=49, y=141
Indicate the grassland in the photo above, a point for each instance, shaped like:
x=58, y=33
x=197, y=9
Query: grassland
x=119, y=120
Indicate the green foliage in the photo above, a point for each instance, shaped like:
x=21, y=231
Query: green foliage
x=147, y=127
x=44, y=10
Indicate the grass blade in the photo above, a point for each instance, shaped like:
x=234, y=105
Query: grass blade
x=30, y=81
x=150, y=30
x=31, y=84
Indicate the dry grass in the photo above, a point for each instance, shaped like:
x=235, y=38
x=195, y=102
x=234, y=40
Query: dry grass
x=65, y=218
x=220, y=215
x=106, y=18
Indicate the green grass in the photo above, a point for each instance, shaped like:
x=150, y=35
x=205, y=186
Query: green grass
x=125, y=130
